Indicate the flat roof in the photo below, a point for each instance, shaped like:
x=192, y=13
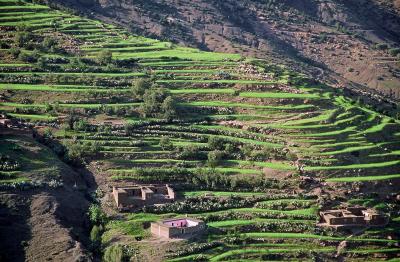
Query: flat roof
x=181, y=218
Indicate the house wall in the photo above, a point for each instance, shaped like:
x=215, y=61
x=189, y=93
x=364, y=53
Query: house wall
x=123, y=196
x=179, y=223
x=195, y=229
x=175, y=232
x=356, y=210
x=120, y=197
x=171, y=193
x=347, y=220
x=135, y=192
x=160, y=231
x=160, y=190
x=378, y=220
x=182, y=223
x=147, y=194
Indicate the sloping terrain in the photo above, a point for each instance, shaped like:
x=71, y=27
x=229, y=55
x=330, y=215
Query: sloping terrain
x=42, y=214
x=354, y=41
x=252, y=147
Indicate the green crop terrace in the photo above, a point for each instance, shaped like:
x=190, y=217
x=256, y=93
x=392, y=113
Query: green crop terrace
x=272, y=126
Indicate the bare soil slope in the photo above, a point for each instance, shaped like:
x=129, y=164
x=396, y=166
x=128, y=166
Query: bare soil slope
x=46, y=222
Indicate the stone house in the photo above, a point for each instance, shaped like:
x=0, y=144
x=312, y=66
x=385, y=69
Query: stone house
x=178, y=228
x=141, y=195
x=352, y=216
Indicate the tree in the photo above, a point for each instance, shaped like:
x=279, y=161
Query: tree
x=95, y=236
x=48, y=43
x=29, y=57
x=104, y=57
x=247, y=150
x=156, y=101
x=165, y=143
x=4, y=44
x=76, y=151
x=152, y=100
x=214, y=158
x=22, y=38
x=81, y=125
x=191, y=152
x=15, y=51
x=42, y=62
x=215, y=143
x=139, y=87
x=229, y=148
x=168, y=107
x=394, y=51
x=48, y=133
x=96, y=215
x=114, y=253
x=381, y=46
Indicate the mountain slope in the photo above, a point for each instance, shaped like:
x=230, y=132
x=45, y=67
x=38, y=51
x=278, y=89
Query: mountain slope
x=251, y=147
x=40, y=204
x=337, y=36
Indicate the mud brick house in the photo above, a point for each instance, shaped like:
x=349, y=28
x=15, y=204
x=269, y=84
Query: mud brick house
x=142, y=195
x=178, y=228
x=352, y=216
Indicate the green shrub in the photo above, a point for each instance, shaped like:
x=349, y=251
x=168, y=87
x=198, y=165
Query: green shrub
x=214, y=158
x=95, y=234
x=394, y=51
x=382, y=46
x=81, y=125
x=77, y=152
x=168, y=107
x=152, y=100
x=114, y=253
x=48, y=43
x=22, y=38
x=166, y=144
x=96, y=215
x=216, y=143
x=29, y=57
x=95, y=237
x=139, y=87
x=191, y=152
x=14, y=51
x=104, y=57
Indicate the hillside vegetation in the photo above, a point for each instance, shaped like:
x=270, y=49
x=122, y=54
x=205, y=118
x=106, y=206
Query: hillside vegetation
x=352, y=43
x=267, y=145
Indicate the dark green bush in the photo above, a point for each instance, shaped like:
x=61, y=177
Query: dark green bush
x=114, y=253
x=394, y=51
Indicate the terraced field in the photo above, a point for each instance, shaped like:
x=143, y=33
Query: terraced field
x=243, y=131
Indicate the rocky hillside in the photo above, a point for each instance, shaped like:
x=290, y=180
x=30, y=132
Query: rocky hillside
x=352, y=40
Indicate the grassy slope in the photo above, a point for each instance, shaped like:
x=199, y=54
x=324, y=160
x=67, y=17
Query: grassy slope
x=316, y=123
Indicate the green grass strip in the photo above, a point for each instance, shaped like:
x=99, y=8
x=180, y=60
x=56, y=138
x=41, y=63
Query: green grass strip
x=241, y=252
x=363, y=178
x=229, y=91
x=312, y=236
x=279, y=95
x=354, y=166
